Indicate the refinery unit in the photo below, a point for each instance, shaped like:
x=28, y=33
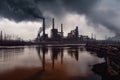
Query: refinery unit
x=56, y=36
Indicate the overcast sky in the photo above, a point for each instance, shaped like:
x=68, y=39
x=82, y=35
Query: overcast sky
x=23, y=17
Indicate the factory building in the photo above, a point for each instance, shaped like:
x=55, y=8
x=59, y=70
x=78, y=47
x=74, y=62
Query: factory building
x=58, y=36
x=84, y=38
x=55, y=35
x=74, y=34
x=44, y=36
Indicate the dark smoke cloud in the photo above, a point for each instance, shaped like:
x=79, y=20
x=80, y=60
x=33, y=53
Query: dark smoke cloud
x=106, y=15
x=98, y=12
x=27, y=10
x=80, y=6
x=19, y=10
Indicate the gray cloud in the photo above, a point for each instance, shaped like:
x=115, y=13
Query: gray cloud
x=98, y=12
x=106, y=13
x=19, y=10
x=80, y=6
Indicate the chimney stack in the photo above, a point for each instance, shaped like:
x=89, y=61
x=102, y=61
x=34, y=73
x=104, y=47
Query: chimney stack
x=62, y=30
x=1, y=36
x=43, y=27
x=91, y=35
x=53, y=23
x=61, y=27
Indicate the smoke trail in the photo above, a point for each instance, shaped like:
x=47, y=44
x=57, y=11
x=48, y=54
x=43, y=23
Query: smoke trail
x=40, y=30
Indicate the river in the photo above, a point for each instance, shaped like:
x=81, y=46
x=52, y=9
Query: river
x=74, y=62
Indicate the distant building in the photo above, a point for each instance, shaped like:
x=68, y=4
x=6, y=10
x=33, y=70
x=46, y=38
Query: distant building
x=84, y=38
x=44, y=37
x=74, y=34
x=55, y=35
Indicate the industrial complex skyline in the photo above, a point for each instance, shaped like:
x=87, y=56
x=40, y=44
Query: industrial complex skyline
x=29, y=30
x=100, y=17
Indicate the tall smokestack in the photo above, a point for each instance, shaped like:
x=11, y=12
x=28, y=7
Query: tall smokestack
x=91, y=35
x=77, y=32
x=62, y=30
x=43, y=27
x=53, y=23
x=1, y=36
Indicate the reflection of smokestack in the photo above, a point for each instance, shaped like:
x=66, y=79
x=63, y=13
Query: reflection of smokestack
x=43, y=27
x=53, y=23
x=61, y=57
x=53, y=62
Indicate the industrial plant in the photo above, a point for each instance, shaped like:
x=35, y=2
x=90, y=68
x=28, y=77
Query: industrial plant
x=107, y=49
x=56, y=36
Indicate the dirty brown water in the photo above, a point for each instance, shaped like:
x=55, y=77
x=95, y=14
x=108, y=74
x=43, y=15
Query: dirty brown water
x=47, y=63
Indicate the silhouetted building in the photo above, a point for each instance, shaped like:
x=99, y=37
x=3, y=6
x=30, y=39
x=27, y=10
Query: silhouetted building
x=74, y=35
x=84, y=38
x=44, y=37
x=55, y=35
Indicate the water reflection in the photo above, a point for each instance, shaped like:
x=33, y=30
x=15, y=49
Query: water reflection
x=75, y=61
x=74, y=53
x=63, y=55
x=7, y=54
x=44, y=51
x=55, y=53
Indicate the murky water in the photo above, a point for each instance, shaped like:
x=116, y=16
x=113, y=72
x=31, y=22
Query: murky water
x=73, y=61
